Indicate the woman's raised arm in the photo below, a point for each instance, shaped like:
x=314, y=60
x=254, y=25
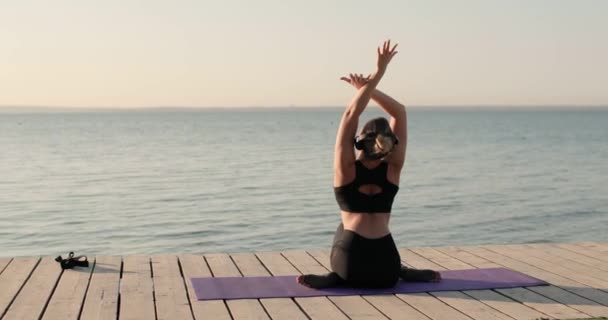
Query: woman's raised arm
x=344, y=153
x=398, y=119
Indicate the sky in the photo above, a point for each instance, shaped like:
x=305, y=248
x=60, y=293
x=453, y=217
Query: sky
x=240, y=53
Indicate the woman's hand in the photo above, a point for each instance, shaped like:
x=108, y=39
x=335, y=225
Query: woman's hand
x=385, y=55
x=356, y=80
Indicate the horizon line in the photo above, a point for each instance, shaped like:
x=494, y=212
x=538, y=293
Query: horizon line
x=51, y=107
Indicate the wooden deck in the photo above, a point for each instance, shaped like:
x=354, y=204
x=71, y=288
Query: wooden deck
x=158, y=287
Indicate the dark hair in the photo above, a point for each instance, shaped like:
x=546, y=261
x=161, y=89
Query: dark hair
x=376, y=139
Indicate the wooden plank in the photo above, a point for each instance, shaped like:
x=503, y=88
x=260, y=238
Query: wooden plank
x=13, y=279
x=222, y=266
x=277, y=264
x=315, y=307
x=303, y=262
x=170, y=295
x=165, y=266
x=320, y=308
x=3, y=263
x=394, y=308
x=432, y=307
x=589, y=252
x=527, y=296
x=470, y=306
x=249, y=265
x=424, y=302
x=601, y=247
x=35, y=294
x=194, y=266
x=136, y=289
x=543, y=303
x=355, y=307
x=555, y=264
x=459, y=300
x=284, y=308
x=69, y=295
x=467, y=257
x=450, y=263
x=414, y=260
x=558, y=294
x=101, y=301
x=557, y=280
x=419, y=262
x=554, y=250
x=322, y=257
x=504, y=304
x=563, y=265
x=572, y=300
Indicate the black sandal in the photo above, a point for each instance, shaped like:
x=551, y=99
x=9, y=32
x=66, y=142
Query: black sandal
x=72, y=261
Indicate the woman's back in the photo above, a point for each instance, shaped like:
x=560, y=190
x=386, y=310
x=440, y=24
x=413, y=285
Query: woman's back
x=366, y=200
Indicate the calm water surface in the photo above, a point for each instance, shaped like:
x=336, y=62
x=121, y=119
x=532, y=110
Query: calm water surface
x=123, y=182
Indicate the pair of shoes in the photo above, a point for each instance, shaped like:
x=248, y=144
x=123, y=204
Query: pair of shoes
x=72, y=261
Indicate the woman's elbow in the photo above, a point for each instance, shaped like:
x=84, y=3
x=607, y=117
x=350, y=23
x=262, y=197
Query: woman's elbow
x=400, y=110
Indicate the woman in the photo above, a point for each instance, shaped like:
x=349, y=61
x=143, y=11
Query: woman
x=364, y=253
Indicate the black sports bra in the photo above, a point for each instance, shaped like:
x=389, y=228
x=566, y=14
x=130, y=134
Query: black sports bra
x=350, y=199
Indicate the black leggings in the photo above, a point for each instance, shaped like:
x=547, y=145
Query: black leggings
x=363, y=262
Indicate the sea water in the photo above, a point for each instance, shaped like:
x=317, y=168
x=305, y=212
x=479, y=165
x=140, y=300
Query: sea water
x=239, y=180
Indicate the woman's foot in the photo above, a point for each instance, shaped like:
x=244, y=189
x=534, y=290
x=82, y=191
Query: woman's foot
x=320, y=281
x=417, y=275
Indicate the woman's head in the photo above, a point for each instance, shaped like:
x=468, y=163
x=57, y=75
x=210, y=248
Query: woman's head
x=376, y=139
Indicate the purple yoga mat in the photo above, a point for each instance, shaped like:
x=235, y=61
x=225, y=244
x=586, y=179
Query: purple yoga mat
x=286, y=286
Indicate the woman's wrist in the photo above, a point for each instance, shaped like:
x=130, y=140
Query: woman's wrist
x=378, y=75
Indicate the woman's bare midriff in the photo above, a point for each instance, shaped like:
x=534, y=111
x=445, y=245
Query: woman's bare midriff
x=368, y=225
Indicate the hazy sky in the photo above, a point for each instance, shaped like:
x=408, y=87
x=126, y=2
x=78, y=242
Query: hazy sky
x=128, y=53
